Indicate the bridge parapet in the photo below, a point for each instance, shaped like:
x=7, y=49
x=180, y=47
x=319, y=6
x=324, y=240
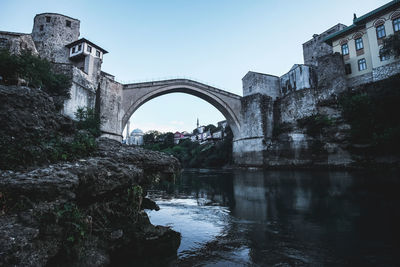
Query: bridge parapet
x=178, y=81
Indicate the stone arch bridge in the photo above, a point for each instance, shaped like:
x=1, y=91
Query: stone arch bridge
x=136, y=94
x=247, y=116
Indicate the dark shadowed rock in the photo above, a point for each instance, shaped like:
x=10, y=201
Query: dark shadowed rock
x=95, y=195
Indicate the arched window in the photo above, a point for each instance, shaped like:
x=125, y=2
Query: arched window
x=396, y=21
x=345, y=47
x=380, y=29
x=358, y=41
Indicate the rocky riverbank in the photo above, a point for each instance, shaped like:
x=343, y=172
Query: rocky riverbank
x=85, y=213
x=69, y=199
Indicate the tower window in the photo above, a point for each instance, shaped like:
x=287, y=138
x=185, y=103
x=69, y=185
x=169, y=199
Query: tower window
x=362, y=64
x=73, y=49
x=97, y=53
x=89, y=49
x=41, y=28
x=47, y=19
x=79, y=47
x=68, y=23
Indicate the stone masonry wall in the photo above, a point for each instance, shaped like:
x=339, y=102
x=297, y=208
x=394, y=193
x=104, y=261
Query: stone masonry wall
x=16, y=43
x=256, y=127
x=259, y=83
x=298, y=78
x=386, y=71
x=83, y=93
x=111, y=111
x=51, y=37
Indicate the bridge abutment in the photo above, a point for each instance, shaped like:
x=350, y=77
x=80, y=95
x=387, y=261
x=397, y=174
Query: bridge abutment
x=250, y=146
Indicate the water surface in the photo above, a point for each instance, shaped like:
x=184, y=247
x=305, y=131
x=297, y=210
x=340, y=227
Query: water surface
x=282, y=218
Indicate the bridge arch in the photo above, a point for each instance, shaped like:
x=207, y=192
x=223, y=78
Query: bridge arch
x=137, y=94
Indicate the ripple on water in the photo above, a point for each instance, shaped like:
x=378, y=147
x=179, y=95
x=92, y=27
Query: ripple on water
x=197, y=224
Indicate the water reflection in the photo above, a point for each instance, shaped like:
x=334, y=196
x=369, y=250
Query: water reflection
x=283, y=218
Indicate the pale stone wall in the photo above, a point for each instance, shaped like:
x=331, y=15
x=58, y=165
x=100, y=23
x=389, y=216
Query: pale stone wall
x=111, y=110
x=17, y=42
x=316, y=47
x=259, y=83
x=298, y=78
x=83, y=93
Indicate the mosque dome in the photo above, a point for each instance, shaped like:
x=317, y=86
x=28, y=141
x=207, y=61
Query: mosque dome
x=137, y=132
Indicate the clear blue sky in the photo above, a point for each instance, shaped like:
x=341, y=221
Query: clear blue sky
x=214, y=41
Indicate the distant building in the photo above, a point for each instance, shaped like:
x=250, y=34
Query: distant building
x=177, y=137
x=135, y=138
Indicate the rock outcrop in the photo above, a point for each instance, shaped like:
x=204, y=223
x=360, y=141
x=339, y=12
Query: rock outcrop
x=85, y=213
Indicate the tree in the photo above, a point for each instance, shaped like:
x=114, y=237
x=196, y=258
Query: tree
x=210, y=127
x=391, y=46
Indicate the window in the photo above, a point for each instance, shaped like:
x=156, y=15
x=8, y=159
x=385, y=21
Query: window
x=47, y=19
x=97, y=53
x=396, y=24
x=362, y=64
x=359, y=43
x=383, y=57
x=345, y=49
x=41, y=27
x=89, y=49
x=73, y=49
x=347, y=69
x=68, y=23
x=79, y=47
x=380, y=32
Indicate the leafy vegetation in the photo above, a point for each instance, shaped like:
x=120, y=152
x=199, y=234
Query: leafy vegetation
x=89, y=120
x=74, y=223
x=315, y=124
x=36, y=72
x=372, y=113
x=281, y=128
x=195, y=155
x=39, y=149
x=391, y=46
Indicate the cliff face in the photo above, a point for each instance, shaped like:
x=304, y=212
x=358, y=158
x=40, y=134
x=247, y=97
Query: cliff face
x=323, y=123
x=82, y=212
x=326, y=127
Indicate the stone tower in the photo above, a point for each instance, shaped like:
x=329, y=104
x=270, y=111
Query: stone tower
x=51, y=32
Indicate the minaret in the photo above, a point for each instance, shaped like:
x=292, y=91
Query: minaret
x=127, y=131
x=198, y=123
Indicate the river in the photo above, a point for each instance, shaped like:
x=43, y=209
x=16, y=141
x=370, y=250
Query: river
x=282, y=218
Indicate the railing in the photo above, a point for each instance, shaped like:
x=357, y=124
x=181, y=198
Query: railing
x=171, y=78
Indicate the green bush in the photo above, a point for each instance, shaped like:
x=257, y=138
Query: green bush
x=281, y=128
x=373, y=116
x=88, y=120
x=35, y=71
x=315, y=124
x=73, y=222
x=193, y=155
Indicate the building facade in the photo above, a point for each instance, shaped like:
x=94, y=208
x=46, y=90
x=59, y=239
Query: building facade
x=360, y=45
